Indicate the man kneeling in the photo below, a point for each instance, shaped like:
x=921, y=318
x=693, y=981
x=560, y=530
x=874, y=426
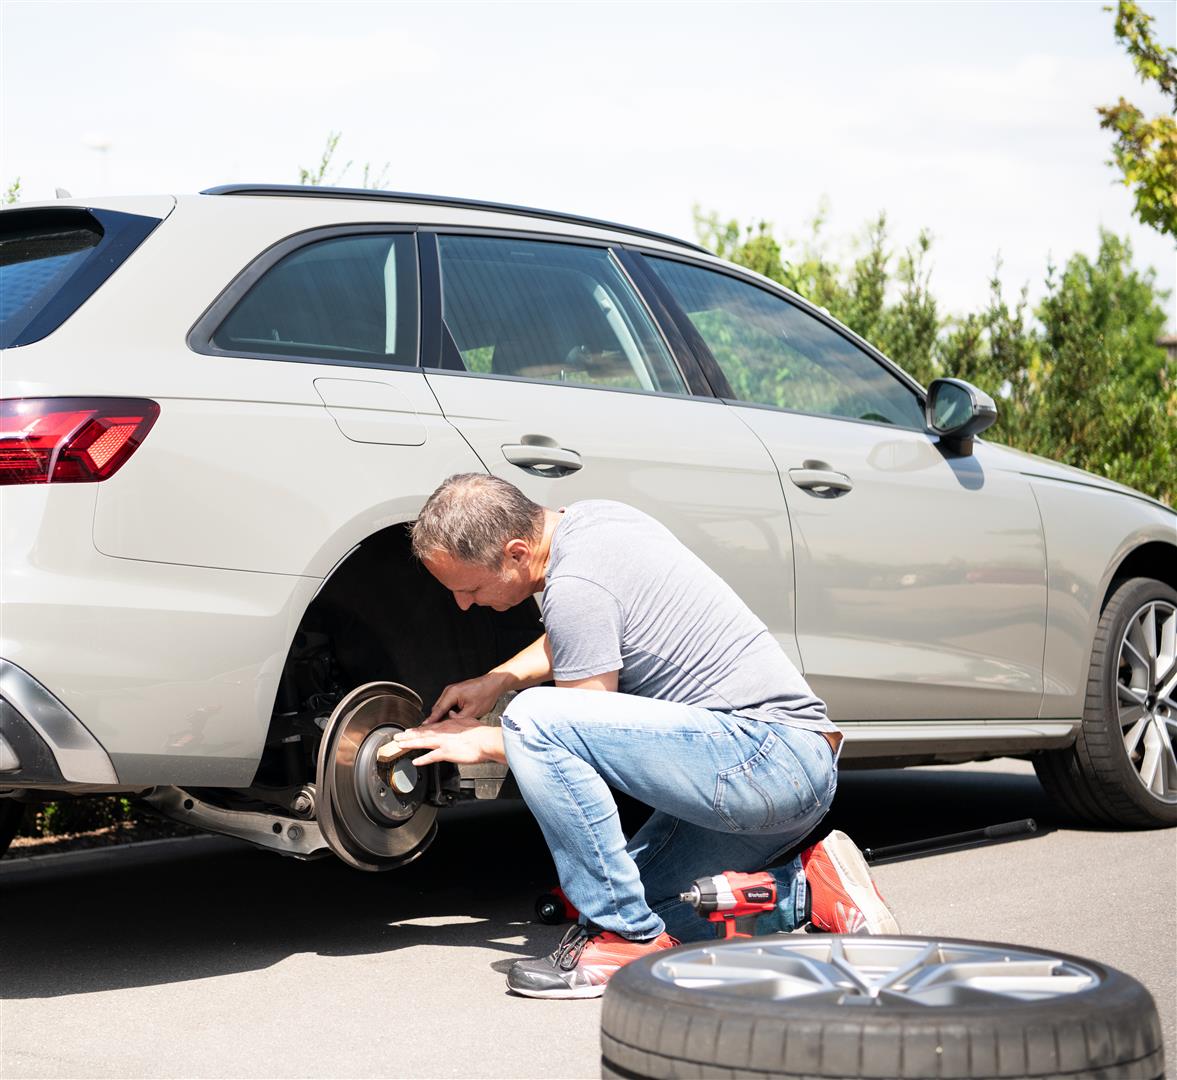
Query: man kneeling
x=668, y=688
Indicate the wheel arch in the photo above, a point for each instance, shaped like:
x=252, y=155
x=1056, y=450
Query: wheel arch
x=379, y=615
x=1152, y=559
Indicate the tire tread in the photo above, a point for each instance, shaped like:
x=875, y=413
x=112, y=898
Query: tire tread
x=1088, y=779
x=651, y=1030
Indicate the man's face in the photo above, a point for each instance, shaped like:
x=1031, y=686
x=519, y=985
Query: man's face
x=499, y=588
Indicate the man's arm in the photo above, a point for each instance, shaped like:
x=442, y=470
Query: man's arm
x=460, y=738
x=473, y=698
x=529, y=667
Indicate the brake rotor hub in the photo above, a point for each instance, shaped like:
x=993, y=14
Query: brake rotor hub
x=373, y=815
x=387, y=793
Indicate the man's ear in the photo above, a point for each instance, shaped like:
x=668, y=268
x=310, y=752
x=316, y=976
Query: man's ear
x=517, y=550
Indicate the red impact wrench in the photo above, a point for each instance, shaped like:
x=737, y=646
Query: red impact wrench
x=733, y=899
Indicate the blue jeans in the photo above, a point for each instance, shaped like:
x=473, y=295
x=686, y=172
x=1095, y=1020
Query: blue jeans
x=728, y=793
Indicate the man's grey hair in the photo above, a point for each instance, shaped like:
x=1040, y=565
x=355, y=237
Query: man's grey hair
x=471, y=516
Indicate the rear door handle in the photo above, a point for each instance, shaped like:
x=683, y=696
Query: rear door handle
x=542, y=460
x=827, y=483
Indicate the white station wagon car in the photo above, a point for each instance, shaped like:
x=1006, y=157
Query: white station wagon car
x=221, y=410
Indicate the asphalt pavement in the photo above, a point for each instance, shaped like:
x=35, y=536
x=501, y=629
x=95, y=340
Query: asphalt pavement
x=207, y=958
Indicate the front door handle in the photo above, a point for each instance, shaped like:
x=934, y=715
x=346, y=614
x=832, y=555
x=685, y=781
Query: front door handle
x=826, y=483
x=542, y=460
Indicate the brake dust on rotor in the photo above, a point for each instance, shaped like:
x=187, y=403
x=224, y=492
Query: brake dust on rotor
x=374, y=815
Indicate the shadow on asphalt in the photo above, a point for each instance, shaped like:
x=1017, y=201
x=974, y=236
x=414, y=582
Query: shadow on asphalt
x=895, y=806
x=178, y=918
x=181, y=918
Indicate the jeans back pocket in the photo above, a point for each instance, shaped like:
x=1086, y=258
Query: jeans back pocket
x=766, y=792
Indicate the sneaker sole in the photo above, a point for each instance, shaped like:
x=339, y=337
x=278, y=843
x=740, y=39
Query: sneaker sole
x=855, y=876
x=565, y=992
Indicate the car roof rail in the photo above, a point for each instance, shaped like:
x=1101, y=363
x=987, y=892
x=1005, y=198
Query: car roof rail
x=316, y=191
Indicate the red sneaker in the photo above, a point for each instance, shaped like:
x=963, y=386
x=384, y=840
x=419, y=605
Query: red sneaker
x=843, y=898
x=581, y=965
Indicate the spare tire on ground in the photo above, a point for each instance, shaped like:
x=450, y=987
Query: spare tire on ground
x=838, y=1006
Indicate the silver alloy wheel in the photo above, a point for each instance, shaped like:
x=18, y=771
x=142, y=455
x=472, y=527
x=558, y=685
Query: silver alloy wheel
x=877, y=971
x=1146, y=697
x=807, y=1006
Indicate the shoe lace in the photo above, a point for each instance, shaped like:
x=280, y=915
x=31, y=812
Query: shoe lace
x=572, y=945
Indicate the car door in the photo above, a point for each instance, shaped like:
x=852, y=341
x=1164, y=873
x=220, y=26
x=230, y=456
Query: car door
x=921, y=576
x=551, y=367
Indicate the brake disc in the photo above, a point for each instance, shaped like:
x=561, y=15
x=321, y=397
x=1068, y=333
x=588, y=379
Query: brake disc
x=373, y=817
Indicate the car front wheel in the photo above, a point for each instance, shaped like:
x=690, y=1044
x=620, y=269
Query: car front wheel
x=1123, y=767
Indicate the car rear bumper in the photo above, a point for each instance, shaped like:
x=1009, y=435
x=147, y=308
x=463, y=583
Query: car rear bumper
x=42, y=743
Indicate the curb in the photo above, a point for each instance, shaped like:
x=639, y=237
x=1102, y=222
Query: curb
x=122, y=855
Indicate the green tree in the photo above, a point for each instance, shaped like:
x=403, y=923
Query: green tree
x=905, y=327
x=317, y=176
x=1107, y=400
x=911, y=326
x=1145, y=150
x=753, y=246
x=12, y=193
x=1080, y=379
x=997, y=350
x=813, y=273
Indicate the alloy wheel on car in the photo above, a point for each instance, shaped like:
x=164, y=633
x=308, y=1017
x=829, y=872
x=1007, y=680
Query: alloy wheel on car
x=1122, y=768
x=1146, y=696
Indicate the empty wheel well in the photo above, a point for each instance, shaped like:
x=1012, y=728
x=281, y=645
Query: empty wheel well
x=1156, y=560
x=381, y=615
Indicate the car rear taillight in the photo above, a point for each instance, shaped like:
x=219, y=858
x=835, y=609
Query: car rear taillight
x=70, y=440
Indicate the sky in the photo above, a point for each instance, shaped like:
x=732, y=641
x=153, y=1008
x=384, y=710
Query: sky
x=975, y=121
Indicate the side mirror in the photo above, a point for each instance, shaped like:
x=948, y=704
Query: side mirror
x=956, y=411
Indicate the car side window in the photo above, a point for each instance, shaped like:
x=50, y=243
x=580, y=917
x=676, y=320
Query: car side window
x=557, y=312
x=344, y=299
x=775, y=353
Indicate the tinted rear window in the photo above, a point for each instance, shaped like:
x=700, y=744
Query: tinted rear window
x=347, y=299
x=52, y=260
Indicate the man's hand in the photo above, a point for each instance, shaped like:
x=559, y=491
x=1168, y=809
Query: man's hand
x=470, y=699
x=462, y=741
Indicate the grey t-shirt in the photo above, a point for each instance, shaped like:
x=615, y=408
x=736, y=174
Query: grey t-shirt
x=622, y=592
